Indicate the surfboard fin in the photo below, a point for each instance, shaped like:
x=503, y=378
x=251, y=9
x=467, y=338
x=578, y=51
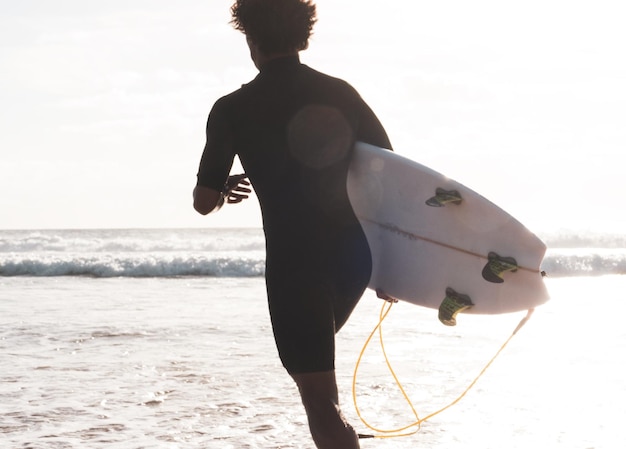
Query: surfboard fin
x=452, y=305
x=497, y=266
x=443, y=197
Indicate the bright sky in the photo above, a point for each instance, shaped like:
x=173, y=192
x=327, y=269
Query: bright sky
x=103, y=104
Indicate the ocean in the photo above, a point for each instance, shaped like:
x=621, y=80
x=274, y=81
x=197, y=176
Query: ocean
x=161, y=339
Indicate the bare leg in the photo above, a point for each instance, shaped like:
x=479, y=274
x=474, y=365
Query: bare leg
x=329, y=428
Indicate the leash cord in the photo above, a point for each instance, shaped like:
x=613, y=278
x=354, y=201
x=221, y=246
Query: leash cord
x=416, y=425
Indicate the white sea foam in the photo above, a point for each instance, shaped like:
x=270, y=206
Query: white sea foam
x=231, y=253
x=581, y=262
x=131, y=240
x=584, y=239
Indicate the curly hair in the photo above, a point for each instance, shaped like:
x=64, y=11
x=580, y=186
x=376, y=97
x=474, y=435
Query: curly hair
x=275, y=26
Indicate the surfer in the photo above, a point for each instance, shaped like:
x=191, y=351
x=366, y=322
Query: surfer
x=293, y=129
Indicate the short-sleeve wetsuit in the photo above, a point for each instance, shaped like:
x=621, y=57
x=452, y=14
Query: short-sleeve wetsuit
x=293, y=129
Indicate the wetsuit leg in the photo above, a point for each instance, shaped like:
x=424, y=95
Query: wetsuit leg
x=309, y=302
x=301, y=310
x=351, y=269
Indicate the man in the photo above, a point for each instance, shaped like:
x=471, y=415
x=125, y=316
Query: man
x=293, y=130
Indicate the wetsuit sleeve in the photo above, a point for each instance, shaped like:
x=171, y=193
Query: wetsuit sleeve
x=370, y=129
x=217, y=157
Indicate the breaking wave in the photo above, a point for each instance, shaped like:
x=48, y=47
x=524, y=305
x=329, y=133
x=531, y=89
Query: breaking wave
x=230, y=253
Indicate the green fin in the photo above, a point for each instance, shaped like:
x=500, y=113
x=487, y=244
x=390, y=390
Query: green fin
x=443, y=197
x=452, y=305
x=497, y=266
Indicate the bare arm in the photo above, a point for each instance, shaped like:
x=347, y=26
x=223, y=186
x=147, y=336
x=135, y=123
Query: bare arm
x=207, y=200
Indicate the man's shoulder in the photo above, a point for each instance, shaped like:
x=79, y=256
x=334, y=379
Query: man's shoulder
x=333, y=86
x=334, y=80
x=233, y=98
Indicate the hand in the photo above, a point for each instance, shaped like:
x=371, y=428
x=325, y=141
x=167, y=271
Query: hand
x=235, y=190
x=382, y=295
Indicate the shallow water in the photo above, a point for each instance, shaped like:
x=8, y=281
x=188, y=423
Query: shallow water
x=190, y=362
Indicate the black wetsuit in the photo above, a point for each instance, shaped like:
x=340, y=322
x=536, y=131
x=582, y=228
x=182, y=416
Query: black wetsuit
x=293, y=129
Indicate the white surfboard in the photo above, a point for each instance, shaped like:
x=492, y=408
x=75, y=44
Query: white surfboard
x=438, y=244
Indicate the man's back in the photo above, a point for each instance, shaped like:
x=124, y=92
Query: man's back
x=293, y=129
